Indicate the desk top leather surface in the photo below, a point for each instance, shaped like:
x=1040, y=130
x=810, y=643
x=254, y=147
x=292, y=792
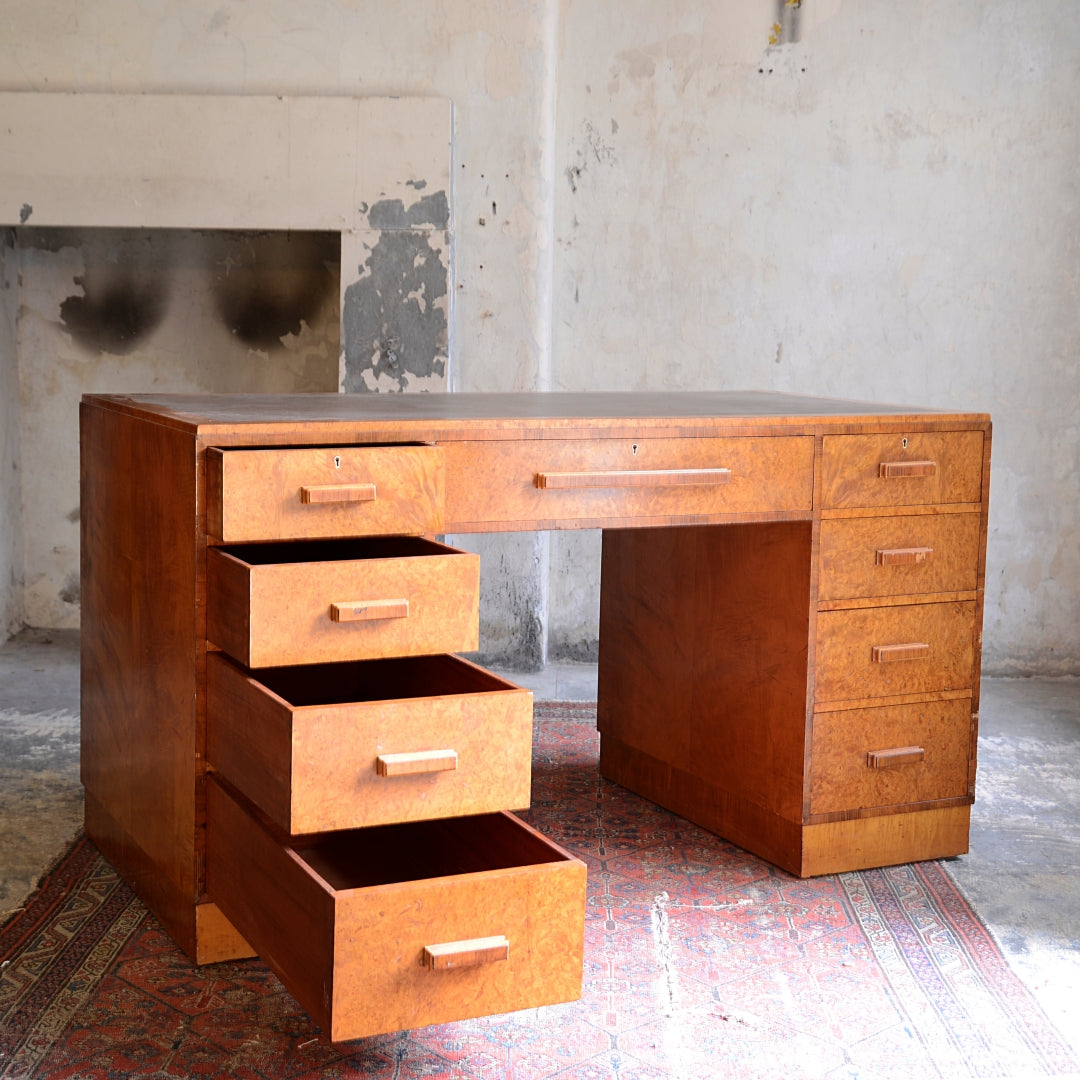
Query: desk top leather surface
x=554, y=410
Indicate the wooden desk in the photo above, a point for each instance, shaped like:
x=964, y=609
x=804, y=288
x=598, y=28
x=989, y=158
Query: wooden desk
x=279, y=744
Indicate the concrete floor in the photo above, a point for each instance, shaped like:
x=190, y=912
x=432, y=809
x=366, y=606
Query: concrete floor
x=1022, y=873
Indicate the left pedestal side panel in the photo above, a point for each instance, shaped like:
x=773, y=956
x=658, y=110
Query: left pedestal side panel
x=143, y=651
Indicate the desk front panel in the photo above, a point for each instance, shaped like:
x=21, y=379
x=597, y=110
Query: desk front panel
x=589, y=483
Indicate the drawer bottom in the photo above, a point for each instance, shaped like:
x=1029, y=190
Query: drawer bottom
x=400, y=926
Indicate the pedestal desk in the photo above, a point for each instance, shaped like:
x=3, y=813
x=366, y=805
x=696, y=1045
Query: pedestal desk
x=283, y=754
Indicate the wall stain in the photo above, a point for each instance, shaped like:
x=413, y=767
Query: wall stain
x=120, y=306
x=267, y=285
x=393, y=318
x=432, y=210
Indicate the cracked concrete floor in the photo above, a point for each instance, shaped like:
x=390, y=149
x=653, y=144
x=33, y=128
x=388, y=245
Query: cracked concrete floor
x=1022, y=873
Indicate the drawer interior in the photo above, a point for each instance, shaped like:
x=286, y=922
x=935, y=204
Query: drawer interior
x=415, y=851
x=395, y=678
x=351, y=549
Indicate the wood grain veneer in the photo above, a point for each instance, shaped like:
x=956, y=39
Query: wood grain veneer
x=322, y=728
x=739, y=619
x=324, y=491
x=356, y=913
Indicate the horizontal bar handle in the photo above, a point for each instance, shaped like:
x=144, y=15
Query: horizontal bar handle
x=368, y=610
x=337, y=493
x=911, y=650
x=418, y=761
x=903, y=556
x=471, y=953
x=633, y=478
x=901, y=755
x=907, y=468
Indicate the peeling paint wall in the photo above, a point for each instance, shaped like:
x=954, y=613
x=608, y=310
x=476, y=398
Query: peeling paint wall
x=869, y=200
x=11, y=556
x=882, y=203
x=111, y=310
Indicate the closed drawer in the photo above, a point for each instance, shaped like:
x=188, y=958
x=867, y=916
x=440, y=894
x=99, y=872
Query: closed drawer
x=908, y=649
x=559, y=483
x=400, y=926
x=890, y=756
x=284, y=494
x=894, y=556
x=340, y=746
x=314, y=601
x=902, y=470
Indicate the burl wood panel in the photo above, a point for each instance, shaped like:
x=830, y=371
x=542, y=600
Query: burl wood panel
x=703, y=656
x=898, y=556
x=303, y=743
x=851, y=469
x=836, y=847
x=847, y=670
x=767, y=475
x=842, y=778
x=268, y=613
x=344, y=921
x=138, y=555
x=297, y=493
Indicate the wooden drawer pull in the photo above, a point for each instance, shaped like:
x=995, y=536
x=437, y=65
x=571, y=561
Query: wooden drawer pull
x=903, y=556
x=337, y=493
x=419, y=761
x=911, y=650
x=632, y=478
x=907, y=468
x=471, y=953
x=368, y=610
x=900, y=755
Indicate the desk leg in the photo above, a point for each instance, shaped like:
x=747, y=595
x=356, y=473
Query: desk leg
x=703, y=676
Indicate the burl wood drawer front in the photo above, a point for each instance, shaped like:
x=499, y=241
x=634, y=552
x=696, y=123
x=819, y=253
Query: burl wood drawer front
x=549, y=482
x=284, y=494
x=315, y=601
x=890, y=756
x=895, y=556
x=909, y=649
x=342, y=746
x=401, y=926
x=902, y=470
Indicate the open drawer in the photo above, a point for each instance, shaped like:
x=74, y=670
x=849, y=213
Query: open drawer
x=341, y=746
x=317, y=601
x=400, y=926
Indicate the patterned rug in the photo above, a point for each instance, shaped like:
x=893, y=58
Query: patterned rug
x=700, y=962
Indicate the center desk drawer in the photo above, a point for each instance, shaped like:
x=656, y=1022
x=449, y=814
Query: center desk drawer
x=907, y=649
x=400, y=926
x=313, y=601
x=343, y=746
x=307, y=492
x=561, y=482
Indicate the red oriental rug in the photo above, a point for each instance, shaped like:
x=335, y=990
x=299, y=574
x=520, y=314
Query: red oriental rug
x=700, y=962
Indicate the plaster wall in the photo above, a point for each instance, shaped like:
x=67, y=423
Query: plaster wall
x=883, y=203
x=868, y=199
x=11, y=562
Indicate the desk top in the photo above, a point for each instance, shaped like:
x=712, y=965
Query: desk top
x=686, y=412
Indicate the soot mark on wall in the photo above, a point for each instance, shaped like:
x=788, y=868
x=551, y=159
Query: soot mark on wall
x=393, y=318
x=118, y=309
x=264, y=286
x=267, y=285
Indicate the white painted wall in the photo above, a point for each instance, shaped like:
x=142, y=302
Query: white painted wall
x=654, y=196
x=888, y=208
x=11, y=556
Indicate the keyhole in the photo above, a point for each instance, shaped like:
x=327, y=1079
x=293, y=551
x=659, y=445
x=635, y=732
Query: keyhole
x=633, y=449
x=337, y=461
x=903, y=442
